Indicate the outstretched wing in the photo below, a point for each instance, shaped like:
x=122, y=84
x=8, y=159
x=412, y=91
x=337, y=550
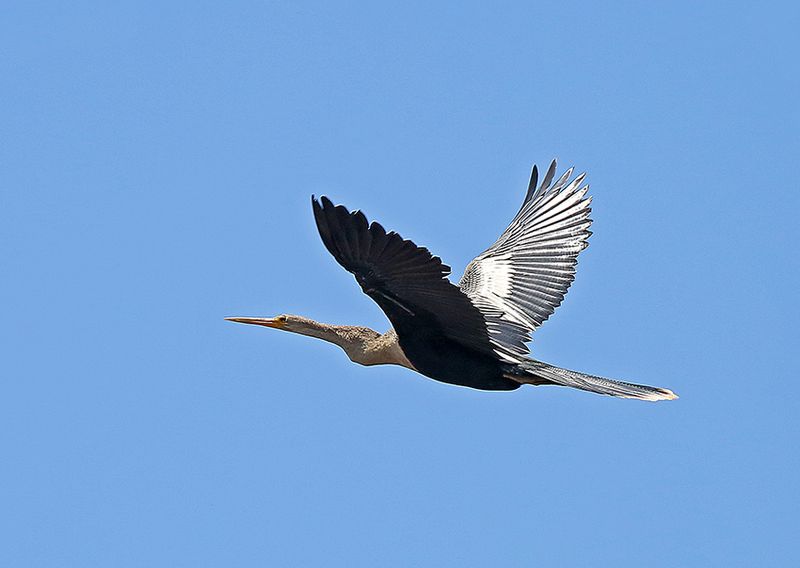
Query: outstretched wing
x=523, y=277
x=405, y=280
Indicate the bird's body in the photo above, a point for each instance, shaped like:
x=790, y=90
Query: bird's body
x=473, y=334
x=435, y=355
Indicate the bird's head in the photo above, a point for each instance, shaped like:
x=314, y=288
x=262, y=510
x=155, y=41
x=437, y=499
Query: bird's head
x=285, y=322
x=357, y=341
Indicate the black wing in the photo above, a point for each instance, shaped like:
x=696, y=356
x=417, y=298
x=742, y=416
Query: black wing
x=403, y=279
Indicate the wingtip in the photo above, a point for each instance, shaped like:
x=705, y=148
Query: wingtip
x=534, y=180
x=548, y=177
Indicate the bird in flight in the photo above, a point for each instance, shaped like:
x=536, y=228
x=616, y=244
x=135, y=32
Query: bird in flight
x=472, y=334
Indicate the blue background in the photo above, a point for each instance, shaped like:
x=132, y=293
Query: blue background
x=157, y=162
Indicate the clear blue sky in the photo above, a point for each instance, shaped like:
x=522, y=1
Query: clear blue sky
x=157, y=163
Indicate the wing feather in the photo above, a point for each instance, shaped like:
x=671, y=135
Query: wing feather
x=396, y=273
x=520, y=280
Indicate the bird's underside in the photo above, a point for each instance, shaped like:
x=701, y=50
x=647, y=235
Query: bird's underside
x=475, y=334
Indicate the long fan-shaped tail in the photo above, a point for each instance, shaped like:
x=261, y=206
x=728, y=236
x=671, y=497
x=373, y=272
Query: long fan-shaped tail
x=536, y=372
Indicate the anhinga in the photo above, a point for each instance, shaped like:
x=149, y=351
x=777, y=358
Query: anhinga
x=472, y=334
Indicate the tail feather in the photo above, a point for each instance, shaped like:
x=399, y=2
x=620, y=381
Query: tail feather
x=536, y=372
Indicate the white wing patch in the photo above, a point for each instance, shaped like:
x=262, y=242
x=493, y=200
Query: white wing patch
x=521, y=279
x=495, y=276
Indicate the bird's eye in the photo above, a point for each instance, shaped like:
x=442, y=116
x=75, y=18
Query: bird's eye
x=282, y=319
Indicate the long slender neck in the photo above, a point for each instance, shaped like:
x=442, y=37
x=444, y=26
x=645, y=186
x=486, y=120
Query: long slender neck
x=337, y=334
x=362, y=344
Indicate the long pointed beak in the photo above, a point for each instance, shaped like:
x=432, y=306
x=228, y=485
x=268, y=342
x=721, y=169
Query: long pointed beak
x=266, y=322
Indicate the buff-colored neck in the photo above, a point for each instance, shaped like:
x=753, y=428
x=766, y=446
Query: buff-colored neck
x=361, y=344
